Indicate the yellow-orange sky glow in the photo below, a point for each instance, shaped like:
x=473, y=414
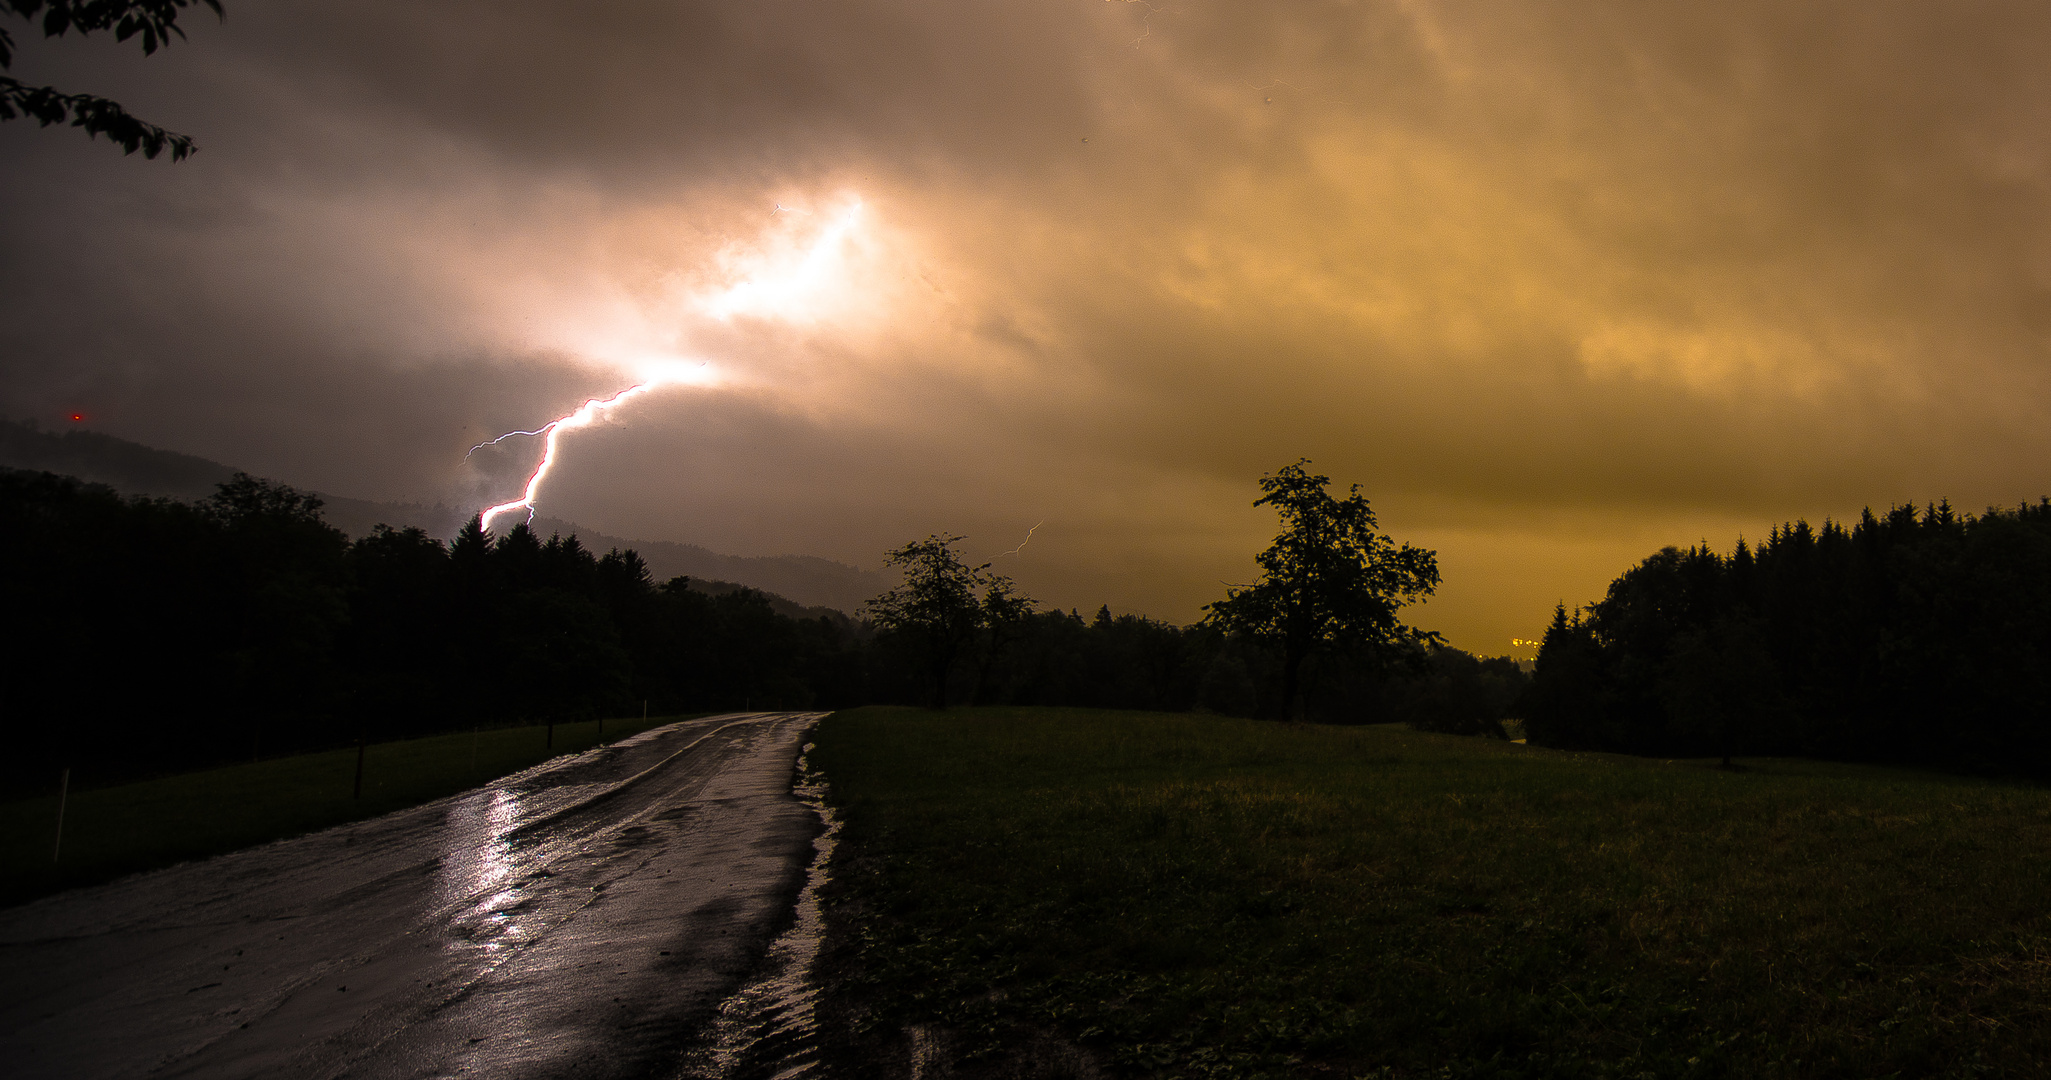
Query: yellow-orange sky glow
x=1557, y=283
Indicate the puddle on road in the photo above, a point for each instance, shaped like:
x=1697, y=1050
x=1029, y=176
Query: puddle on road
x=478, y=852
x=768, y=1030
x=475, y=856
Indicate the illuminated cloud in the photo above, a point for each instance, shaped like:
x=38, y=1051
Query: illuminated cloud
x=1558, y=282
x=790, y=284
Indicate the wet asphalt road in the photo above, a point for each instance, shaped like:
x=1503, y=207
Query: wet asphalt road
x=556, y=923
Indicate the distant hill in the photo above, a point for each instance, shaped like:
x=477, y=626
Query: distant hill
x=806, y=579
x=804, y=582
x=130, y=468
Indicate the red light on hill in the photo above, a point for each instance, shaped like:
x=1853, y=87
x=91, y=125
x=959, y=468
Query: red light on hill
x=78, y=416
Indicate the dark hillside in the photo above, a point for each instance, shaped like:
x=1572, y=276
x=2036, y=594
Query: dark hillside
x=151, y=635
x=130, y=468
x=802, y=582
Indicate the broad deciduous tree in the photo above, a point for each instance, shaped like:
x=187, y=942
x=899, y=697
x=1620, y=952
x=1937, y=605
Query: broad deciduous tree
x=154, y=21
x=1329, y=579
x=944, y=604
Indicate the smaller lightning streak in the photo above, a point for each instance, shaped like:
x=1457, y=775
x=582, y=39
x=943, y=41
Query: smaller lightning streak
x=1146, y=23
x=502, y=438
x=1027, y=540
x=585, y=416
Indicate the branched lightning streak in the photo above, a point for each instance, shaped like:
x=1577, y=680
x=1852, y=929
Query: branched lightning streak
x=1146, y=22
x=508, y=435
x=1027, y=540
x=585, y=416
x=780, y=295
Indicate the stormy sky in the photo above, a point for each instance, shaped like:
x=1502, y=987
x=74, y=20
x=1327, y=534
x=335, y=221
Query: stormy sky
x=1556, y=283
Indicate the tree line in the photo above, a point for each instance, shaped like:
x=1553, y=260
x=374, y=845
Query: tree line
x=148, y=635
x=1913, y=636
x=151, y=634
x=1315, y=637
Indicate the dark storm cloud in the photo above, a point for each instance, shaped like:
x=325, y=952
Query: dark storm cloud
x=640, y=87
x=1558, y=282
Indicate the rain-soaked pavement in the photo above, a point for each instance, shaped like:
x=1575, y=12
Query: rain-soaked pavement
x=592, y=917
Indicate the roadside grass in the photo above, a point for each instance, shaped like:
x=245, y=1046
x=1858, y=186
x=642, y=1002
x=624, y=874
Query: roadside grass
x=1201, y=896
x=112, y=831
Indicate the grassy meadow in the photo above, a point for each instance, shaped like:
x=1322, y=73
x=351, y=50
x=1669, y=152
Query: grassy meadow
x=122, y=829
x=1200, y=896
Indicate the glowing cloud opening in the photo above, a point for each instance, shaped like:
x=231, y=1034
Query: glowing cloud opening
x=785, y=295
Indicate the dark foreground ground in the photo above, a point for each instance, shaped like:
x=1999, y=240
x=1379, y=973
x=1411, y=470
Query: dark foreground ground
x=1057, y=893
x=1063, y=893
x=581, y=919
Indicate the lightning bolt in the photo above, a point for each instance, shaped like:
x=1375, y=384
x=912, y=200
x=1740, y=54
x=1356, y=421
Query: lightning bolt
x=586, y=415
x=775, y=295
x=1027, y=540
x=1146, y=21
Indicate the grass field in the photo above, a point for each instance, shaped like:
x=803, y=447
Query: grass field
x=1197, y=896
x=113, y=831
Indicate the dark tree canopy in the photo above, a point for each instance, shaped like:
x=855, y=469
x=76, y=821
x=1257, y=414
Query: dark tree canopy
x=1909, y=636
x=154, y=21
x=1330, y=579
x=147, y=635
x=945, y=605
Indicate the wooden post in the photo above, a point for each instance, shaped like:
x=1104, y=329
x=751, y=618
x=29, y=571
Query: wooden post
x=358, y=793
x=63, y=792
x=644, y=710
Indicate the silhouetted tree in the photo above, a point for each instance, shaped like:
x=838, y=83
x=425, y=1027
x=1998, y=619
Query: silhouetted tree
x=1457, y=693
x=1005, y=611
x=1560, y=701
x=1330, y=578
x=154, y=21
x=284, y=586
x=146, y=635
x=941, y=604
x=403, y=620
x=1914, y=635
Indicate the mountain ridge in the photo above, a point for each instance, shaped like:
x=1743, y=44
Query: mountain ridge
x=805, y=582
